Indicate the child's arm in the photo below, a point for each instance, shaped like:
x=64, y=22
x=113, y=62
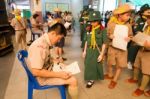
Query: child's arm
x=130, y=34
x=84, y=52
x=147, y=44
x=100, y=57
x=110, y=30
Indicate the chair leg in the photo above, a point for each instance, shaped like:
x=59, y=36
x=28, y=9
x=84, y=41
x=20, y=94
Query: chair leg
x=30, y=91
x=62, y=92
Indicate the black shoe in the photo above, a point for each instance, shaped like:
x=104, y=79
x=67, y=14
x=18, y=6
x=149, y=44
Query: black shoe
x=89, y=84
x=29, y=43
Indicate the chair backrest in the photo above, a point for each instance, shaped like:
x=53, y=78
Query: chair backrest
x=22, y=54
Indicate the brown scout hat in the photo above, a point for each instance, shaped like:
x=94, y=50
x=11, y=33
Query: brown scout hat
x=122, y=9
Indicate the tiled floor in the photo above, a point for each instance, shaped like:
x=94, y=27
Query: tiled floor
x=17, y=85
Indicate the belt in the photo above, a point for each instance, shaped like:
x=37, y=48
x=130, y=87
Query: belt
x=20, y=30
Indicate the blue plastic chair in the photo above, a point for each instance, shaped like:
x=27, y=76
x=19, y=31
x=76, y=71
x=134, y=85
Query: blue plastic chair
x=32, y=82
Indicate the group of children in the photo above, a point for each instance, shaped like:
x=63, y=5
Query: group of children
x=98, y=48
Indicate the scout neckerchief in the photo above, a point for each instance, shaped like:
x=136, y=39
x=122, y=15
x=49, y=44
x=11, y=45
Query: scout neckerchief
x=18, y=17
x=147, y=30
x=93, y=40
x=144, y=17
x=115, y=20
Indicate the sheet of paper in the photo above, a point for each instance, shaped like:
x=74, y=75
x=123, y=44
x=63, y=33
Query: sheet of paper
x=120, y=32
x=67, y=24
x=73, y=68
x=140, y=38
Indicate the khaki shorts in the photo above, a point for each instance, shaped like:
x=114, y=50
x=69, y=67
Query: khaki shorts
x=142, y=61
x=117, y=57
x=50, y=81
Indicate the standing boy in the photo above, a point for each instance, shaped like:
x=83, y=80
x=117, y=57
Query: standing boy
x=117, y=56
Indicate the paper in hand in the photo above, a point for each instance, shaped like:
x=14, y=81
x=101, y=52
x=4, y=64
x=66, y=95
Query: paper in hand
x=73, y=68
x=67, y=24
x=120, y=32
x=140, y=38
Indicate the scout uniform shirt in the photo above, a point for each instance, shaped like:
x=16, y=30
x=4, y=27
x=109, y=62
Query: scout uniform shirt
x=39, y=58
x=143, y=56
x=114, y=53
x=19, y=24
x=39, y=53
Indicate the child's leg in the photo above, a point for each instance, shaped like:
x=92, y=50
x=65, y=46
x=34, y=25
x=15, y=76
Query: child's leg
x=117, y=74
x=136, y=70
x=110, y=70
x=136, y=73
x=113, y=83
x=144, y=83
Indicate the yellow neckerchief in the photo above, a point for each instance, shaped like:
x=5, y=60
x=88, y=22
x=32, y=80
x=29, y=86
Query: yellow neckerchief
x=144, y=17
x=93, y=40
x=147, y=30
x=18, y=17
x=115, y=20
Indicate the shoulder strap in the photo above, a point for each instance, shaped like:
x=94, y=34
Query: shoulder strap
x=98, y=48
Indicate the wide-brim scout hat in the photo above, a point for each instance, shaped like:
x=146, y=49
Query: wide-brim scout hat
x=57, y=10
x=16, y=12
x=144, y=8
x=122, y=9
x=147, y=13
x=94, y=16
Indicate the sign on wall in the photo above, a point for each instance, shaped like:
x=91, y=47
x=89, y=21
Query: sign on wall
x=51, y=6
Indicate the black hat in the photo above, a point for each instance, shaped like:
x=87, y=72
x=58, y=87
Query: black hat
x=144, y=8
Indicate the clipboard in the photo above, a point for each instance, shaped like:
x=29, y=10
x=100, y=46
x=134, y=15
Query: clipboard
x=140, y=38
x=120, y=32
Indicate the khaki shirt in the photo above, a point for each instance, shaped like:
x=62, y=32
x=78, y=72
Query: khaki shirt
x=111, y=28
x=39, y=53
x=19, y=25
x=145, y=30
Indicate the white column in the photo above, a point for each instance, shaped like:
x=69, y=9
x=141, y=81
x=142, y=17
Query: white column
x=36, y=7
x=76, y=7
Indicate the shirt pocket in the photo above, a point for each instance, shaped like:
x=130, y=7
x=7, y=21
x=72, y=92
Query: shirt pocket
x=99, y=39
